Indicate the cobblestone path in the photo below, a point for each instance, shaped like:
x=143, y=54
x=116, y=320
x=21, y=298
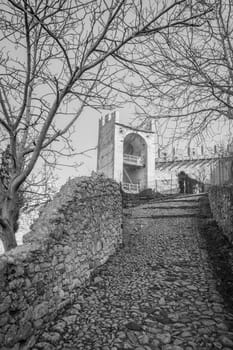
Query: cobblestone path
x=157, y=292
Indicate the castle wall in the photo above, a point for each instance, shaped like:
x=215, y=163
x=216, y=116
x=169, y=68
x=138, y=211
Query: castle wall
x=74, y=234
x=221, y=204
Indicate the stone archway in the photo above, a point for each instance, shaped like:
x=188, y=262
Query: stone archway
x=134, y=163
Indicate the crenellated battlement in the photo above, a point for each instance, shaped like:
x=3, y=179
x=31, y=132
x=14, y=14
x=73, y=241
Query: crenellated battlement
x=112, y=118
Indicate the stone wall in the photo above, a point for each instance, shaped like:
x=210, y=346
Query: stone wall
x=221, y=203
x=222, y=172
x=74, y=234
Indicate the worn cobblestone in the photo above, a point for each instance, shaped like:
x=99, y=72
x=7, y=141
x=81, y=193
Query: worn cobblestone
x=157, y=293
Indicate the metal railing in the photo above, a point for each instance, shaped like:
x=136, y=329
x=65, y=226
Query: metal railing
x=194, y=156
x=132, y=159
x=130, y=187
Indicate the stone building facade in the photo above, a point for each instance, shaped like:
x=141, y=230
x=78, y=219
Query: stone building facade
x=126, y=154
x=138, y=159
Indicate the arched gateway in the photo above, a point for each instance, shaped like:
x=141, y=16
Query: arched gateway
x=134, y=163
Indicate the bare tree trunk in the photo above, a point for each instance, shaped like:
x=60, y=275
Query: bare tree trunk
x=8, y=238
x=9, y=222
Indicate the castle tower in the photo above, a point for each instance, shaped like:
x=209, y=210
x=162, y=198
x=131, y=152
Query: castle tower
x=126, y=154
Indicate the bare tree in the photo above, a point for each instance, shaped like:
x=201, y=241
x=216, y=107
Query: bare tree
x=190, y=71
x=60, y=57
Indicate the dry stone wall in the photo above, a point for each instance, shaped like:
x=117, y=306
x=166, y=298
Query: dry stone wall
x=221, y=203
x=74, y=234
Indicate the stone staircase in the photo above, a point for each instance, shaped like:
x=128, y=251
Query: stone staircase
x=174, y=206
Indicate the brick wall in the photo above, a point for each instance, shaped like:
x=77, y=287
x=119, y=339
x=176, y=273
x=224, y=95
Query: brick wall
x=74, y=234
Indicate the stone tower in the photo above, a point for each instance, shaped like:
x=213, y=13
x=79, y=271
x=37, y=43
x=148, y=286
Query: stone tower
x=126, y=154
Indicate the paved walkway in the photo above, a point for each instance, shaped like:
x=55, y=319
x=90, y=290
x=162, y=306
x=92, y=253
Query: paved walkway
x=157, y=293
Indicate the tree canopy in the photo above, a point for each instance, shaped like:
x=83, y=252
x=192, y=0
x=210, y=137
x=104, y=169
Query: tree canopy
x=189, y=71
x=60, y=57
